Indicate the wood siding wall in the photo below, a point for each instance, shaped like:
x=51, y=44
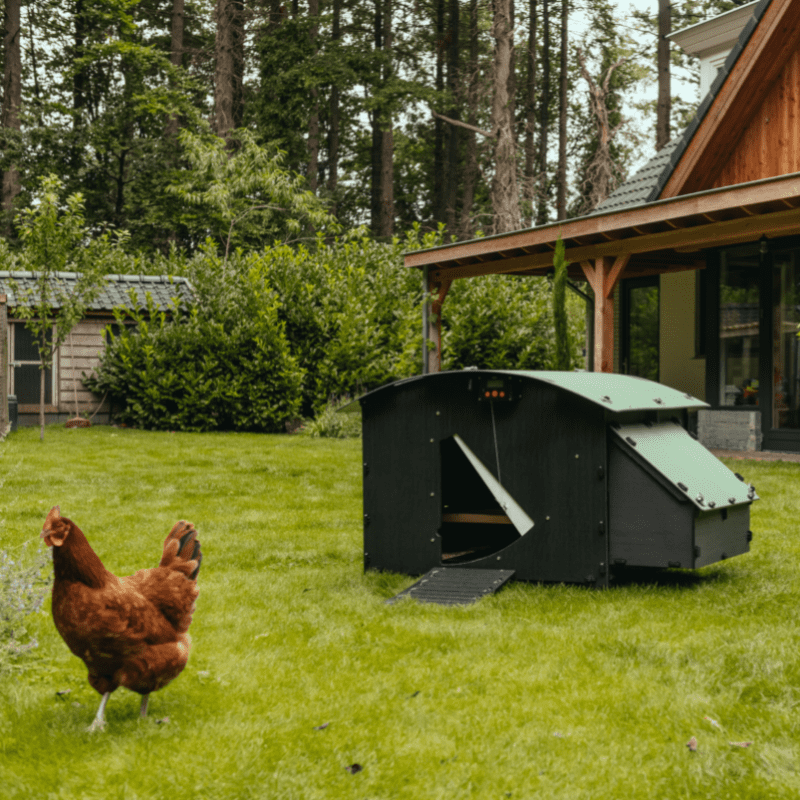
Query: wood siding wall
x=770, y=143
x=88, y=341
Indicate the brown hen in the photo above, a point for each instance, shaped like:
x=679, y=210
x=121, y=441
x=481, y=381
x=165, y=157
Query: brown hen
x=129, y=631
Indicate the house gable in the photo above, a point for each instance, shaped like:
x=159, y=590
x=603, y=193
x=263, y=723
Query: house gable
x=749, y=125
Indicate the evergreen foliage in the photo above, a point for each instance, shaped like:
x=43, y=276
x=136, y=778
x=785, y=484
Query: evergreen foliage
x=224, y=364
x=563, y=359
x=337, y=320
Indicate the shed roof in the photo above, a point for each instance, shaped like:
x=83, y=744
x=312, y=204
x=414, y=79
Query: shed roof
x=163, y=289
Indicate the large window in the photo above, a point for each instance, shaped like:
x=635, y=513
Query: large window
x=739, y=326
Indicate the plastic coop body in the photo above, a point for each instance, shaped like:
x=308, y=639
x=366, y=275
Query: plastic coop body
x=560, y=476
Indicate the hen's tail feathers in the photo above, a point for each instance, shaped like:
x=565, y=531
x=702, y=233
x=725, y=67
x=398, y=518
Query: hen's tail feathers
x=182, y=550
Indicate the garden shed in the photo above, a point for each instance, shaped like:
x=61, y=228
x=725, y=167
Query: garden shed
x=706, y=234
x=88, y=340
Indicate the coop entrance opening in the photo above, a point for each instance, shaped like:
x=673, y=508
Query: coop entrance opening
x=479, y=517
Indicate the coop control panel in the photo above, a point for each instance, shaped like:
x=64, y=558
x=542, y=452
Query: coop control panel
x=494, y=387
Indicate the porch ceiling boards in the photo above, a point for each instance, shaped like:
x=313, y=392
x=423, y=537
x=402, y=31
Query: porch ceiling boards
x=661, y=236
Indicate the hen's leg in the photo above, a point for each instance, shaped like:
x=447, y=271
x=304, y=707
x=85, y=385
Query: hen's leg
x=100, y=718
x=143, y=709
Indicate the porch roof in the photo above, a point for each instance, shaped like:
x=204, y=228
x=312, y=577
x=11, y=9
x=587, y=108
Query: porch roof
x=658, y=236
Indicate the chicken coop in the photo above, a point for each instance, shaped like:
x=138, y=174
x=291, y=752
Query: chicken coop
x=557, y=476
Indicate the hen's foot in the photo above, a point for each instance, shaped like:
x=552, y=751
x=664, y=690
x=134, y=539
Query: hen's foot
x=99, y=722
x=143, y=709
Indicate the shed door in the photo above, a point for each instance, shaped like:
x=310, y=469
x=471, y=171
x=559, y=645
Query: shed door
x=25, y=374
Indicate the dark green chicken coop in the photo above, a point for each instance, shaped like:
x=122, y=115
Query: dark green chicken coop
x=556, y=476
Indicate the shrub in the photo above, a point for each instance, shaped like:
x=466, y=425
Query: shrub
x=223, y=365
x=24, y=583
x=351, y=311
x=334, y=423
x=503, y=322
x=346, y=316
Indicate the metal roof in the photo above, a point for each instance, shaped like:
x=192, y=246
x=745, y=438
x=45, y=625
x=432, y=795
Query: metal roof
x=163, y=289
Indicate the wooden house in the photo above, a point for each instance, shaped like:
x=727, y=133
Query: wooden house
x=708, y=233
x=63, y=381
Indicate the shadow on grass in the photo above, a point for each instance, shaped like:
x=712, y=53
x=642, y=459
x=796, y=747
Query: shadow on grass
x=667, y=578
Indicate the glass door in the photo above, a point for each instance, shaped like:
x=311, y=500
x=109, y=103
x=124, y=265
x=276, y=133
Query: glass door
x=739, y=321
x=785, y=367
x=640, y=331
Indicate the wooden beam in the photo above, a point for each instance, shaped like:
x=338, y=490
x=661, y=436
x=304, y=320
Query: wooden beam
x=439, y=289
x=603, y=276
x=728, y=199
x=715, y=234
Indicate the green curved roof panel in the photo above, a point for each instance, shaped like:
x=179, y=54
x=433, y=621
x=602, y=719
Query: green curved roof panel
x=616, y=392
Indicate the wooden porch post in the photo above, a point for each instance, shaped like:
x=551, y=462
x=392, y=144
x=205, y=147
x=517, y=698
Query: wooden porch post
x=3, y=365
x=432, y=324
x=603, y=276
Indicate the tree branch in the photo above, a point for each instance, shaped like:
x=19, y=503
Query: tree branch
x=461, y=124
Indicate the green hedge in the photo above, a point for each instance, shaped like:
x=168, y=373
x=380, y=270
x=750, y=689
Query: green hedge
x=278, y=333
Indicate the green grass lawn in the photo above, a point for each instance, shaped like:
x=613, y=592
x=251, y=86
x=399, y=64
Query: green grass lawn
x=537, y=692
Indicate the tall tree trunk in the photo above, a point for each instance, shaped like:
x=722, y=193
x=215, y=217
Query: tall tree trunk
x=382, y=194
x=505, y=199
x=600, y=179
x=12, y=100
x=561, y=180
x=529, y=180
x=175, y=54
x=313, y=119
x=78, y=77
x=452, y=170
x=544, y=118
x=333, y=125
x=471, y=145
x=664, y=106
x=228, y=73
x=438, y=124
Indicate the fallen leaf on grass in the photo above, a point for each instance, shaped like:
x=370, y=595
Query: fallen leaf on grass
x=740, y=744
x=692, y=744
x=162, y=721
x=321, y=727
x=713, y=722
x=62, y=693
x=354, y=768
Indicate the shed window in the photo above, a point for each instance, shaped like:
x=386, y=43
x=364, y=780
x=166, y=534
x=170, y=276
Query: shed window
x=25, y=373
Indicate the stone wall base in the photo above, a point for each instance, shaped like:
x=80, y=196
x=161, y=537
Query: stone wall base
x=723, y=429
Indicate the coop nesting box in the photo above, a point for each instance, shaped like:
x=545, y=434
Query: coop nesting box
x=558, y=476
